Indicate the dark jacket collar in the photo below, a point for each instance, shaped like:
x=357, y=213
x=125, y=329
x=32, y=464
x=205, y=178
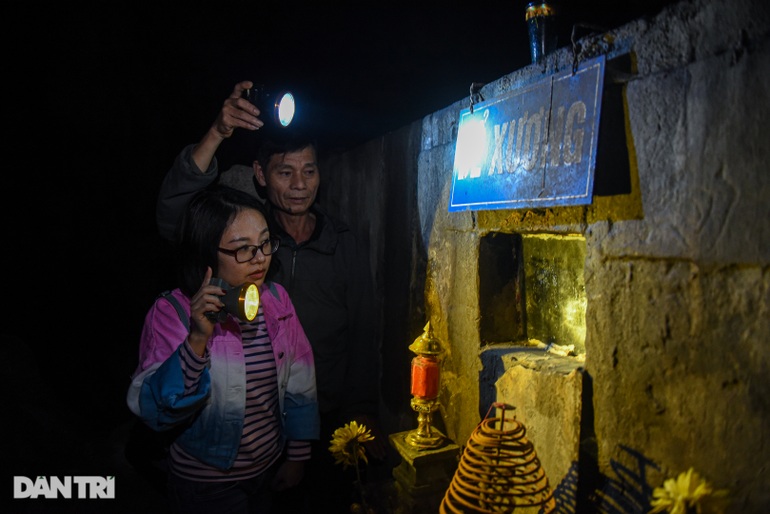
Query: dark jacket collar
x=325, y=234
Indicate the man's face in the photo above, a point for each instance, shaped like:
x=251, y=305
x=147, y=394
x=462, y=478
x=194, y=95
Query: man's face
x=291, y=180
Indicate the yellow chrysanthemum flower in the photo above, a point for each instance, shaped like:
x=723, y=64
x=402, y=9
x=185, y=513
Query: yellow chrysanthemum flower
x=347, y=445
x=682, y=493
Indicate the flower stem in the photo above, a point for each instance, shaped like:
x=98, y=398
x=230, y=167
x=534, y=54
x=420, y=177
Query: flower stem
x=360, y=484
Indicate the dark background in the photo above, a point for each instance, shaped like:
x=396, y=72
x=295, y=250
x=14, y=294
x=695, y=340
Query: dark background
x=100, y=97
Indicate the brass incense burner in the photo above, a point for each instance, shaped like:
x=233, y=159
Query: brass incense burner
x=425, y=387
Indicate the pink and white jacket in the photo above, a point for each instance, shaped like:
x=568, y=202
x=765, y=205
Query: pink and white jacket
x=213, y=414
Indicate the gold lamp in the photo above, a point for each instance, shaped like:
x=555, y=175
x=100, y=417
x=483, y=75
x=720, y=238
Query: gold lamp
x=425, y=387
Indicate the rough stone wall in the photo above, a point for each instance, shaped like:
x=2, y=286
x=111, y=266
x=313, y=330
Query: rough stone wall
x=677, y=270
x=679, y=299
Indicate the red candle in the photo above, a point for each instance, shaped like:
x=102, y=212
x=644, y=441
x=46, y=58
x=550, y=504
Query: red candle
x=425, y=377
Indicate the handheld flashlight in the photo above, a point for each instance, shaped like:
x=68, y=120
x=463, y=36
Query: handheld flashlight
x=240, y=301
x=280, y=107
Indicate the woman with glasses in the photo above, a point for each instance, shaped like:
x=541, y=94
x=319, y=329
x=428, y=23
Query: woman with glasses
x=241, y=394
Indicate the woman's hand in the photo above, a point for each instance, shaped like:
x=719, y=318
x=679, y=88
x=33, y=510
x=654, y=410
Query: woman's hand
x=203, y=301
x=289, y=474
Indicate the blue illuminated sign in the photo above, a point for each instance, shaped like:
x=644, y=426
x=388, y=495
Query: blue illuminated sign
x=533, y=147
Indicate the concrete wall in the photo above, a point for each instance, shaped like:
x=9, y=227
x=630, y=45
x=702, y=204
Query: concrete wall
x=676, y=370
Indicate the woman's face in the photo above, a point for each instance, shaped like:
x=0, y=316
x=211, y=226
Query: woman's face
x=248, y=229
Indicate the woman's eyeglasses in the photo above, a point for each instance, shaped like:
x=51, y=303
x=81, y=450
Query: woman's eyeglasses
x=248, y=252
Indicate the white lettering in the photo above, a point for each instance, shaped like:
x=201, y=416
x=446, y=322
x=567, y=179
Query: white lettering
x=55, y=487
x=555, y=138
x=496, y=165
x=21, y=487
x=519, y=137
x=573, y=141
x=510, y=163
x=95, y=487
x=59, y=486
x=526, y=147
x=533, y=135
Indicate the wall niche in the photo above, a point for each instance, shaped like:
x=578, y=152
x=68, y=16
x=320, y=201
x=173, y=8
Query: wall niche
x=532, y=290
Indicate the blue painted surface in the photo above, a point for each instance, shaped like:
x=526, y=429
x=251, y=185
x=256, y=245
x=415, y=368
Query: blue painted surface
x=532, y=147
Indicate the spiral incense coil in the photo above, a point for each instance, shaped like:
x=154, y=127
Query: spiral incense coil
x=498, y=472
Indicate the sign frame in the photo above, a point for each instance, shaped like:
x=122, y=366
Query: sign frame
x=532, y=147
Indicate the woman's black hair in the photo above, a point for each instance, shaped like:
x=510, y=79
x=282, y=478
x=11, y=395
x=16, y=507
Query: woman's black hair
x=207, y=216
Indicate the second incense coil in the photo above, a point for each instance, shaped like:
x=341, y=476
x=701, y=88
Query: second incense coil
x=498, y=472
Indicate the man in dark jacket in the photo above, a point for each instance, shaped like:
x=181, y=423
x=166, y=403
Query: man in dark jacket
x=321, y=265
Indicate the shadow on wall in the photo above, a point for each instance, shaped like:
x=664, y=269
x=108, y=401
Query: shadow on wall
x=627, y=492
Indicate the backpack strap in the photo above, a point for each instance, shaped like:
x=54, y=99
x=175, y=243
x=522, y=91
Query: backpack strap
x=273, y=289
x=183, y=317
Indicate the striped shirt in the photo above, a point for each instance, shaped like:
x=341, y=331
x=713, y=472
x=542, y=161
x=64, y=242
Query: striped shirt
x=260, y=443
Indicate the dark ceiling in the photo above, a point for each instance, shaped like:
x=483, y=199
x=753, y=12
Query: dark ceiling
x=361, y=72
x=151, y=78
